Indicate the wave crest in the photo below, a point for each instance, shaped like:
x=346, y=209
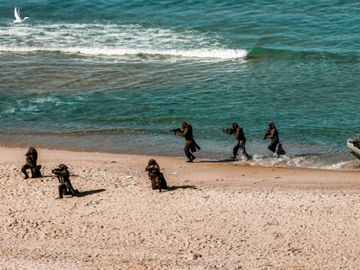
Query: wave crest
x=114, y=40
x=195, y=53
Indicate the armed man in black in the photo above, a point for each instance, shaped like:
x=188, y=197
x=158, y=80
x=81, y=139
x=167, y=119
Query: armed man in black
x=239, y=135
x=31, y=163
x=156, y=177
x=65, y=187
x=190, y=145
x=273, y=134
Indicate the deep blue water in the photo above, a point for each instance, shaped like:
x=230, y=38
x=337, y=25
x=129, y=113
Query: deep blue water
x=115, y=76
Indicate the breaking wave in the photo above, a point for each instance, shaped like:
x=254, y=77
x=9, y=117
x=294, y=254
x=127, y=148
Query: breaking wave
x=195, y=53
x=114, y=40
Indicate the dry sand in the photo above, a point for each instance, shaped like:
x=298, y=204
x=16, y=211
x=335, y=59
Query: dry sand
x=215, y=216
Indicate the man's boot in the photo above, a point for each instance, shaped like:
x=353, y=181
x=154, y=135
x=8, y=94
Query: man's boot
x=25, y=173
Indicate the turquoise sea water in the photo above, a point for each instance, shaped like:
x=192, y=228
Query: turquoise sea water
x=115, y=76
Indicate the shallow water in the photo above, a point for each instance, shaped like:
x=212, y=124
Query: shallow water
x=115, y=76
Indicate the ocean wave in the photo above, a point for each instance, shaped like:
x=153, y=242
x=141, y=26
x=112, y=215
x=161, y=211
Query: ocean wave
x=278, y=161
x=311, y=161
x=333, y=55
x=344, y=165
x=114, y=40
x=143, y=53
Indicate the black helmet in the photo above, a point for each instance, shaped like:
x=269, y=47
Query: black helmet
x=31, y=150
x=152, y=162
x=62, y=166
x=235, y=125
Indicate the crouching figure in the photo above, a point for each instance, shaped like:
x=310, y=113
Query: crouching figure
x=65, y=187
x=31, y=163
x=156, y=177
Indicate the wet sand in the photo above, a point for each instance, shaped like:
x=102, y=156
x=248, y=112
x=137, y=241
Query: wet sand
x=216, y=215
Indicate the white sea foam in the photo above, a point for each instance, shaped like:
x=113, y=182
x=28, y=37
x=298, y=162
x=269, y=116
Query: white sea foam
x=339, y=165
x=285, y=161
x=114, y=40
x=30, y=109
x=42, y=100
x=10, y=110
x=195, y=53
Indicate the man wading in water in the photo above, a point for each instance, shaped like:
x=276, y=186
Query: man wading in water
x=190, y=145
x=273, y=134
x=239, y=135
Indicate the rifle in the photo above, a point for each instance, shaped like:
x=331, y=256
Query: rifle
x=267, y=134
x=57, y=171
x=175, y=130
x=228, y=131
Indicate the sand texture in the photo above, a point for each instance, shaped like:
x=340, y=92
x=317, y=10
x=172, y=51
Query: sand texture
x=214, y=216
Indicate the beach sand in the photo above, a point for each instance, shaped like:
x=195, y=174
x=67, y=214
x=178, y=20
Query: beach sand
x=215, y=215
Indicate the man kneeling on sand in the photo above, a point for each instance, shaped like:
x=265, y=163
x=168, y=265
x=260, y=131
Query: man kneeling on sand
x=156, y=177
x=65, y=187
x=31, y=163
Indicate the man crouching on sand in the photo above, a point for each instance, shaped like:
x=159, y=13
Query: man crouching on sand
x=31, y=163
x=65, y=187
x=156, y=177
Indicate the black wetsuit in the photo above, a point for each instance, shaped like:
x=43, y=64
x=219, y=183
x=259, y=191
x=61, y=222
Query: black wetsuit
x=190, y=145
x=241, y=140
x=65, y=187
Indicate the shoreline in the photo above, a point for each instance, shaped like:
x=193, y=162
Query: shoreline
x=261, y=158
x=203, y=171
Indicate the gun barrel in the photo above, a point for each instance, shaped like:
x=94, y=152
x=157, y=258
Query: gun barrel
x=228, y=131
x=56, y=171
x=175, y=130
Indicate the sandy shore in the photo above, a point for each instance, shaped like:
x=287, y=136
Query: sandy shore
x=215, y=215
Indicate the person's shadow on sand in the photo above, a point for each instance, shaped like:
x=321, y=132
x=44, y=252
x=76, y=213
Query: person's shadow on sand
x=90, y=192
x=172, y=188
x=54, y=176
